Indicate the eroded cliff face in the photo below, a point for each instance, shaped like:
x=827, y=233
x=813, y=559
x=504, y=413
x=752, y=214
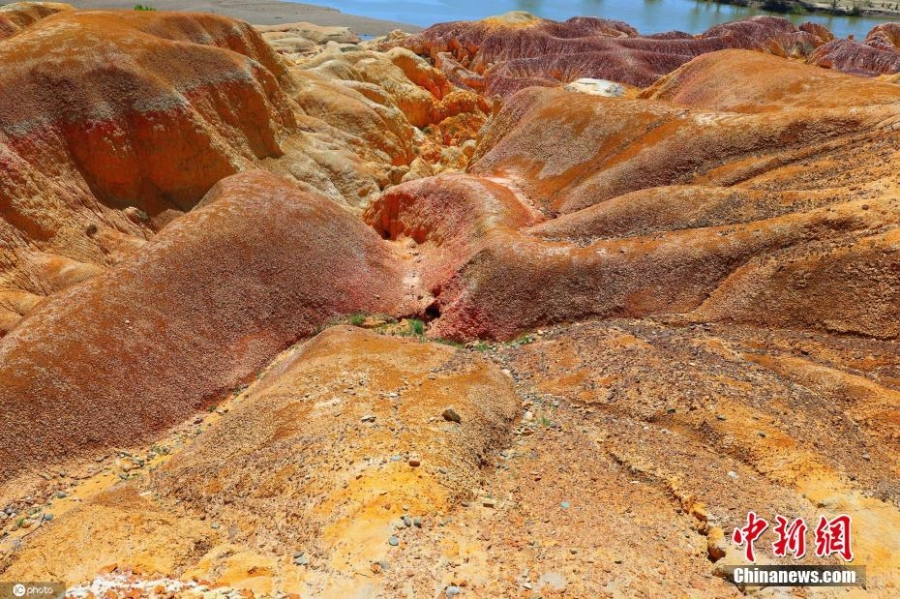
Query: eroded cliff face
x=620, y=291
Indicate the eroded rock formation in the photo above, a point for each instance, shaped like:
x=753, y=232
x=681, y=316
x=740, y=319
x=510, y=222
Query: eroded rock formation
x=114, y=124
x=201, y=308
x=668, y=265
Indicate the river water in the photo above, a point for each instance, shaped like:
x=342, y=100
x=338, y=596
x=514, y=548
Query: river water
x=648, y=16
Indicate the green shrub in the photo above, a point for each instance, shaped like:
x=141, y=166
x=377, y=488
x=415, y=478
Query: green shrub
x=143, y=7
x=416, y=327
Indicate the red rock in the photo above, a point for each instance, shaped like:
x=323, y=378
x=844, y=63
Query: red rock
x=502, y=55
x=642, y=204
x=878, y=54
x=212, y=298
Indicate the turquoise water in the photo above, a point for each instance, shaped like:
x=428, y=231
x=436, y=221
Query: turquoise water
x=648, y=16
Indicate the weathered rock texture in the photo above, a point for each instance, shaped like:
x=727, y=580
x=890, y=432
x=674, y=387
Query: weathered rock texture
x=681, y=271
x=653, y=207
x=200, y=309
x=114, y=123
x=504, y=54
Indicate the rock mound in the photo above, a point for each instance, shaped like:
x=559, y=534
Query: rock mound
x=498, y=56
x=648, y=207
x=343, y=439
x=197, y=311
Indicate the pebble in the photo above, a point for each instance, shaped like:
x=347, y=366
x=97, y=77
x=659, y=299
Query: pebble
x=453, y=591
x=48, y=517
x=733, y=474
x=368, y=418
x=393, y=541
x=300, y=559
x=414, y=462
x=564, y=505
x=417, y=522
x=451, y=415
x=407, y=521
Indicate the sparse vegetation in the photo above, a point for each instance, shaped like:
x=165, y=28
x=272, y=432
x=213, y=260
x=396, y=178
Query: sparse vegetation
x=522, y=340
x=143, y=7
x=357, y=319
x=416, y=327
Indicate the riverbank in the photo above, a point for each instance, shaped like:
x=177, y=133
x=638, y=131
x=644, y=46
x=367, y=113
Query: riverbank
x=869, y=8
x=259, y=12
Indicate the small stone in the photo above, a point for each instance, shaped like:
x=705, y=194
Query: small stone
x=564, y=505
x=733, y=474
x=368, y=418
x=61, y=495
x=721, y=417
x=451, y=415
x=529, y=415
x=301, y=559
x=215, y=526
x=489, y=502
x=48, y=517
x=393, y=541
x=414, y=462
x=715, y=543
x=453, y=591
